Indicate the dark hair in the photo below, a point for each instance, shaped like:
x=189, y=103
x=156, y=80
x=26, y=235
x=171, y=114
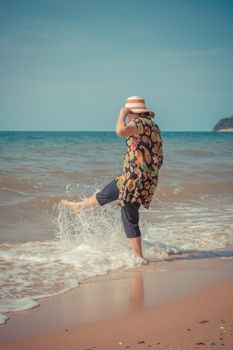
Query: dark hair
x=147, y=114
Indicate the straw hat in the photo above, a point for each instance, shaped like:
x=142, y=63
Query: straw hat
x=136, y=104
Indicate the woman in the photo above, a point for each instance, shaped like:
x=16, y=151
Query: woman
x=142, y=161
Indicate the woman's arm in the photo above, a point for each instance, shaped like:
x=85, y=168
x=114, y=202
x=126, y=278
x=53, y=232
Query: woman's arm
x=123, y=129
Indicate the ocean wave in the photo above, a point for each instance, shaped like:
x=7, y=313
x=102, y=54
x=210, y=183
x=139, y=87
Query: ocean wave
x=83, y=175
x=20, y=185
x=36, y=208
x=195, y=153
x=72, y=175
x=214, y=191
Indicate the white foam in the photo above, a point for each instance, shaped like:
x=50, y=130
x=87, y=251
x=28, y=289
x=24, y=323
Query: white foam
x=20, y=304
x=186, y=228
x=3, y=318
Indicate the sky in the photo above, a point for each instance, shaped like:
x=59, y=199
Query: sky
x=70, y=64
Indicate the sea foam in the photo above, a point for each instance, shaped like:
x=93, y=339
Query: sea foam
x=89, y=244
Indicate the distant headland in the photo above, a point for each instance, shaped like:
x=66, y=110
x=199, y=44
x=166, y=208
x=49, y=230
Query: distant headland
x=225, y=124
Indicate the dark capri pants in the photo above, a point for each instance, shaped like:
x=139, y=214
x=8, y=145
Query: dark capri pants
x=129, y=212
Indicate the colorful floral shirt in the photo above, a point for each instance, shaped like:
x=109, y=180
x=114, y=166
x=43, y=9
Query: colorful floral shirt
x=142, y=161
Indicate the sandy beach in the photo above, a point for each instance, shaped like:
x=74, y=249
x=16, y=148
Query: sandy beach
x=178, y=304
x=226, y=130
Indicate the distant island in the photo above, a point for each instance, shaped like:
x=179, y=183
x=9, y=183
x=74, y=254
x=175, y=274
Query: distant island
x=225, y=124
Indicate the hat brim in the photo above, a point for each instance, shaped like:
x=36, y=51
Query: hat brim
x=141, y=110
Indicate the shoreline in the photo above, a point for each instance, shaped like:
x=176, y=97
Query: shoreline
x=124, y=298
x=225, y=130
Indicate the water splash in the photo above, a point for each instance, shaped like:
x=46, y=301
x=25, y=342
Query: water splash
x=89, y=244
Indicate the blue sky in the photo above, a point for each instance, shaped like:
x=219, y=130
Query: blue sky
x=69, y=65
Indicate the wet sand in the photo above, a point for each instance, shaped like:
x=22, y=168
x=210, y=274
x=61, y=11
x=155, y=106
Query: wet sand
x=178, y=304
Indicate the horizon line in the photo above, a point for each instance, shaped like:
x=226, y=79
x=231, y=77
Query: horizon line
x=112, y=131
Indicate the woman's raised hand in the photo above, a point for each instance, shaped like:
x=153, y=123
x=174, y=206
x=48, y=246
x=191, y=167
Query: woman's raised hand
x=124, y=112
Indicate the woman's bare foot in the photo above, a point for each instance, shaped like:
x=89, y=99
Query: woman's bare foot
x=76, y=206
x=84, y=204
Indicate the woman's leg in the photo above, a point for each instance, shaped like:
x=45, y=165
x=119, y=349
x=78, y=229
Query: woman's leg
x=130, y=220
x=108, y=194
x=136, y=245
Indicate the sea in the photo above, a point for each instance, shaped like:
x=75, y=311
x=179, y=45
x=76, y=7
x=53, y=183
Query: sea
x=46, y=249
